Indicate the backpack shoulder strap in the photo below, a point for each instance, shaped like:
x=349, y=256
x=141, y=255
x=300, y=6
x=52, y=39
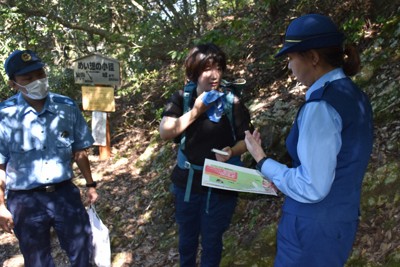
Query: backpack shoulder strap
x=187, y=97
x=231, y=89
x=228, y=108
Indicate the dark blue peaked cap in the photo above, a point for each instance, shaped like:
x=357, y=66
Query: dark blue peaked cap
x=310, y=32
x=21, y=62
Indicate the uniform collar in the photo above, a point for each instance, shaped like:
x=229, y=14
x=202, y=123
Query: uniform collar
x=26, y=108
x=331, y=76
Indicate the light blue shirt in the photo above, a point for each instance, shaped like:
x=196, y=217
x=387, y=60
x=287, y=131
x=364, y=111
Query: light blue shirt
x=37, y=147
x=318, y=146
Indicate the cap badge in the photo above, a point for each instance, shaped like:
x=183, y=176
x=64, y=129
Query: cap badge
x=26, y=57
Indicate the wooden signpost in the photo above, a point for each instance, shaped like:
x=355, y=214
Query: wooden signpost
x=96, y=73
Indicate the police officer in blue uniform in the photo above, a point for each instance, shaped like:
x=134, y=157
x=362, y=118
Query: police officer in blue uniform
x=41, y=134
x=330, y=144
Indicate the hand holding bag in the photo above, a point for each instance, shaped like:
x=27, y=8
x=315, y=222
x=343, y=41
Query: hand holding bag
x=101, y=239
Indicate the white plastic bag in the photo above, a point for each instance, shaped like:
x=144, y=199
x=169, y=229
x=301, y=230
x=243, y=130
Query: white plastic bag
x=101, y=239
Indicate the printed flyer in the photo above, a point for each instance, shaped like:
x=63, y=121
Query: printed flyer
x=230, y=177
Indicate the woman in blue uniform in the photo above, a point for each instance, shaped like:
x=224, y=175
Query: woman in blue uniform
x=330, y=144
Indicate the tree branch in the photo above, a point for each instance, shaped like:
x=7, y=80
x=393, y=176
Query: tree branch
x=109, y=36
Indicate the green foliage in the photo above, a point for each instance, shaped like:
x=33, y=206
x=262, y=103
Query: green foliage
x=140, y=81
x=393, y=259
x=178, y=55
x=353, y=28
x=61, y=81
x=258, y=252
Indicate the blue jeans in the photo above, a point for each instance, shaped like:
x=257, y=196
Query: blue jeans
x=305, y=242
x=208, y=217
x=34, y=213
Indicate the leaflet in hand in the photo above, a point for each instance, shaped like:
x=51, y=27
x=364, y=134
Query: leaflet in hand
x=226, y=176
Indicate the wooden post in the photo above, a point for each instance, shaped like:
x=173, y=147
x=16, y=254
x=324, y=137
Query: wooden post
x=105, y=151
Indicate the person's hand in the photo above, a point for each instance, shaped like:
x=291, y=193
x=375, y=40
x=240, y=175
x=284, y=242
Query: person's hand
x=199, y=105
x=253, y=144
x=223, y=158
x=6, y=220
x=91, y=195
x=211, y=97
x=268, y=185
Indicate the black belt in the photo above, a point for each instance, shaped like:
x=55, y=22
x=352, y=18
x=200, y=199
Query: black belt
x=49, y=187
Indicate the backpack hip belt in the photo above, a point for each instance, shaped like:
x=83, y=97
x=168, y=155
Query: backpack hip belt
x=183, y=163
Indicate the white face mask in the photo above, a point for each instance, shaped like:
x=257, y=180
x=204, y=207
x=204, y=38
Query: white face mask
x=36, y=90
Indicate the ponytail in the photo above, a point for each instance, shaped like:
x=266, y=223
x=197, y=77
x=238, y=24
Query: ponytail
x=352, y=61
x=347, y=58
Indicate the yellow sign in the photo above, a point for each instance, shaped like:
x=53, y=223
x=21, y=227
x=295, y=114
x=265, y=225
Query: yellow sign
x=98, y=98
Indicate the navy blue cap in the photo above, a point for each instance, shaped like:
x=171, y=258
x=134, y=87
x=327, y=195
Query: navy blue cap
x=21, y=62
x=310, y=32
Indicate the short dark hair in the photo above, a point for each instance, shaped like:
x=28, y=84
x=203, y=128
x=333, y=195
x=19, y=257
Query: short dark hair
x=201, y=55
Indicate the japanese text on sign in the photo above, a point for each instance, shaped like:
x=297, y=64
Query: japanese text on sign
x=96, y=69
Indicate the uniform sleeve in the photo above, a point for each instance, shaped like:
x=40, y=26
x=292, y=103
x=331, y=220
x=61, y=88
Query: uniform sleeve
x=5, y=134
x=318, y=146
x=82, y=136
x=3, y=146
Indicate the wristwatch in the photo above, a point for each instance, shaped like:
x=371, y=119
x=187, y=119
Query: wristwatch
x=94, y=184
x=260, y=163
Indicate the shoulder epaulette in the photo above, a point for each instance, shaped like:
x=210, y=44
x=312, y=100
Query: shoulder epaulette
x=63, y=100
